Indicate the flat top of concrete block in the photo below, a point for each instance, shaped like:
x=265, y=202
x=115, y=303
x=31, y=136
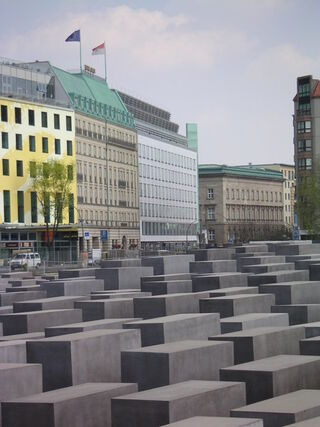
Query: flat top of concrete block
x=312, y=339
x=297, y=305
x=294, y=402
x=73, y=392
x=179, y=391
x=84, y=335
x=252, y=316
x=30, y=335
x=176, y=346
x=217, y=422
x=259, y=331
x=236, y=297
x=12, y=343
x=280, y=273
x=156, y=282
x=274, y=363
x=234, y=289
x=312, y=422
x=176, y=318
x=311, y=325
x=107, y=300
x=7, y=366
x=53, y=299
x=180, y=295
x=294, y=283
x=36, y=313
x=93, y=323
x=222, y=274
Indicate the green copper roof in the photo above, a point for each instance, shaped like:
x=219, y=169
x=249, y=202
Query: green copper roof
x=250, y=172
x=91, y=95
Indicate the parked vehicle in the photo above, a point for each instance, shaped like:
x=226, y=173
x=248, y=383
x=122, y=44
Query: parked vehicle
x=26, y=260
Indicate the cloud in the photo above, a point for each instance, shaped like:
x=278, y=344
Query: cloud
x=139, y=38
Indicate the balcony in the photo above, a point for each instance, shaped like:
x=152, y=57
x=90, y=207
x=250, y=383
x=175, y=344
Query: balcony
x=122, y=184
x=121, y=142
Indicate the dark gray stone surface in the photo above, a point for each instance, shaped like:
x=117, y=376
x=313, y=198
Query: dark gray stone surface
x=253, y=320
x=169, y=264
x=72, y=287
x=123, y=277
x=167, y=287
x=217, y=422
x=302, y=292
x=203, y=267
x=59, y=303
x=106, y=308
x=299, y=313
x=215, y=281
x=278, y=276
x=8, y=298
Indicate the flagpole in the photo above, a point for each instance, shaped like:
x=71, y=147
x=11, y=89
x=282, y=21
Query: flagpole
x=80, y=53
x=105, y=63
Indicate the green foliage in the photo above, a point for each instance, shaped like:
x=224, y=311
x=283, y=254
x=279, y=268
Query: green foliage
x=52, y=183
x=308, y=204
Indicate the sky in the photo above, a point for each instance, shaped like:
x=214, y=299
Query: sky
x=230, y=66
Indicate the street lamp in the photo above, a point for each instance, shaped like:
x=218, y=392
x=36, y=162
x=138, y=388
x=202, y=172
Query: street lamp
x=187, y=232
x=80, y=219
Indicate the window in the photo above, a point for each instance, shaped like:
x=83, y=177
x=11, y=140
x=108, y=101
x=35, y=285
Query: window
x=17, y=115
x=33, y=169
x=32, y=143
x=68, y=123
x=304, y=145
x=71, y=209
x=304, y=126
x=6, y=205
x=211, y=235
x=210, y=193
x=5, y=140
x=305, y=163
x=5, y=167
x=18, y=141
x=45, y=148
x=56, y=119
x=34, y=210
x=20, y=206
x=44, y=119
x=69, y=148
x=19, y=168
x=70, y=172
x=31, y=117
x=210, y=213
x=57, y=146
x=4, y=113
x=304, y=89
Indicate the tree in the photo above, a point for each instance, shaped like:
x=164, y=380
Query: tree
x=52, y=183
x=308, y=204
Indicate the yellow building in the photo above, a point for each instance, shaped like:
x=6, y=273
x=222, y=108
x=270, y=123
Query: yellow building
x=31, y=132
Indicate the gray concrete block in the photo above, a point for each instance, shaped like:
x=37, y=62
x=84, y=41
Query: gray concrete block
x=218, y=281
x=169, y=264
x=123, y=277
x=24, y=288
x=92, y=356
x=174, y=362
x=1, y=330
x=6, y=309
x=309, y=423
x=58, y=303
x=36, y=321
x=135, y=294
x=72, y=287
x=22, y=282
x=259, y=343
x=84, y=405
x=235, y=305
x=166, y=277
x=106, y=308
x=252, y=321
x=202, y=267
x=163, y=405
x=217, y=422
x=167, y=287
x=267, y=268
x=29, y=336
x=176, y=328
x=261, y=259
x=303, y=292
x=252, y=248
x=310, y=346
x=8, y=298
x=123, y=262
x=274, y=376
x=237, y=290
x=77, y=272
x=278, y=276
x=312, y=329
x=283, y=410
x=299, y=313
x=13, y=352
x=212, y=254
x=298, y=249
x=305, y=264
x=75, y=328
x=166, y=305
x=18, y=275
x=314, y=271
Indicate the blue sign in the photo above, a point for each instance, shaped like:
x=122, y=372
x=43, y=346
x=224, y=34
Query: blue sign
x=104, y=235
x=86, y=235
x=296, y=233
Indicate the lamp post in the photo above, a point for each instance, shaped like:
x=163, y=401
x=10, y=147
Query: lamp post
x=187, y=232
x=82, y=231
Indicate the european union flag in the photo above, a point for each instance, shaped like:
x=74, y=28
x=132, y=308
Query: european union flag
x=74, y=37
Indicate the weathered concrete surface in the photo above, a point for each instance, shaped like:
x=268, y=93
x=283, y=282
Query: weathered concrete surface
x=37, y=321
x=267, y=268
x=310, y=346
x=123, y=277
x=218, y=281
x=237, y=290
x=77, y=272
x=274, y=376
x=167, y=287
x=171, y=363
x=259, y=343
x=92, y=356
x=29, y=336
x=298, y=249
x=72, y=287
x=203, y=267
x=299, y=313
x=283, y=410
x=162, y=405
x=166, y=277
x=84, y=405
x=252, y=248
x=106, y=308
x=93, y=325
x=59, y=303
x=252, y=321
x=312, y=329
x=278, y=276
x=302, y=292
x=176, y=328
x=134, y=294
x=169, y=264
x=8, y=298
x=217, y=422
x=123, y=262
x=13, y=352
x=235, y=305
x=212, y=254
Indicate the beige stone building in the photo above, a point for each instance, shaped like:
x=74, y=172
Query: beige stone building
x=239, y=204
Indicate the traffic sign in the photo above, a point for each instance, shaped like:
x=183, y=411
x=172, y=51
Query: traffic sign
x=86, y=235
x=104, y=235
